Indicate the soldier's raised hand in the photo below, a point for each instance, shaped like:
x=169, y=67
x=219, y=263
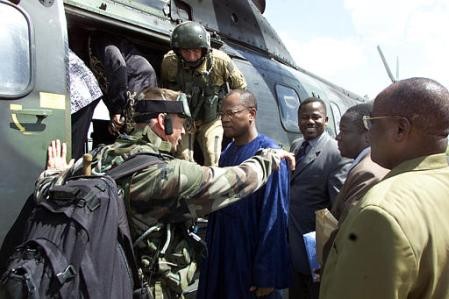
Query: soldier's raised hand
x=57, y=156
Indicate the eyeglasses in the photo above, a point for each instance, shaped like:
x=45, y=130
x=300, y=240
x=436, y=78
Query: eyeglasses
x=232, y=113
x=368, y=120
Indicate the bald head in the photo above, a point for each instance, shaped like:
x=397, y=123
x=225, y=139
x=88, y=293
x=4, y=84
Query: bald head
x=410, y=120
x=247, y=98
x=424, y=102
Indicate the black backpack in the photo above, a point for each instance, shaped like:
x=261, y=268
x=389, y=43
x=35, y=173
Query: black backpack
x=74, y=242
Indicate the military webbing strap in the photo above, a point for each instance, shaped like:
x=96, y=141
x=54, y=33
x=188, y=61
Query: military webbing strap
x=200, y=84
x=135, y=163
x=130, y=166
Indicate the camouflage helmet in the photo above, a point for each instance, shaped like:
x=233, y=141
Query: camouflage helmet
x=190, y=35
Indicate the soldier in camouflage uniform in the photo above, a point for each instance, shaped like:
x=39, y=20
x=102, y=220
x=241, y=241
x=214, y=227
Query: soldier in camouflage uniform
x=164, y=198
x=203, y=74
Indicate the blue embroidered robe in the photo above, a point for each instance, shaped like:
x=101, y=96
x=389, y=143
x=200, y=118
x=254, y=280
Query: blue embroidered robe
x=247, y=241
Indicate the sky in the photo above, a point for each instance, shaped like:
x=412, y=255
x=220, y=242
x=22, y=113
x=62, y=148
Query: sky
x=337, y=39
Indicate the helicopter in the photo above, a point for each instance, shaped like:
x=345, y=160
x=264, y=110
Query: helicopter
x=34, y=98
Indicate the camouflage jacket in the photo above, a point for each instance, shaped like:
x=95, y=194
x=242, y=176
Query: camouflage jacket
x=165, y=188
x=157, y=190
x=204, y=85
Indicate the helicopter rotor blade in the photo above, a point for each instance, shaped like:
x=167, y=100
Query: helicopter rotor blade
x=397, y=67
x=387, y=68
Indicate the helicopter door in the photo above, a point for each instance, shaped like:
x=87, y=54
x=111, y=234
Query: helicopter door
x=34, y=104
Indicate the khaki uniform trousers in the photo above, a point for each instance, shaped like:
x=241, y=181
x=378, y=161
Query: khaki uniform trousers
x=209, y=137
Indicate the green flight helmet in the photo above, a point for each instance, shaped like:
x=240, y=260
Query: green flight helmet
x=190, y=35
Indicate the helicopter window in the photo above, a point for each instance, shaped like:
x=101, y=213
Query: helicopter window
x=336, y=116
x=288, y=102
x=15, y=36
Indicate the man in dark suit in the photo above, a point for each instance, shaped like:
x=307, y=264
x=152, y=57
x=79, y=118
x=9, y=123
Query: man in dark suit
x=353, y=143
x=363, y=174
x=319, y=175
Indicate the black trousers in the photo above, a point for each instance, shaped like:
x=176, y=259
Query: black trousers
x=303, y=287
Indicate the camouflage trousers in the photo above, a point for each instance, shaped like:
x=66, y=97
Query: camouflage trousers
x=209, y=137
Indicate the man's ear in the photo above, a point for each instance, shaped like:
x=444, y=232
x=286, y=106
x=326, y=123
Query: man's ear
x=252, y=112
x=402, y=129
x=160, y=122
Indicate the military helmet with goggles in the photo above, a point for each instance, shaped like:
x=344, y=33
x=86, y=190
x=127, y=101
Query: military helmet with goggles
x=146, y=109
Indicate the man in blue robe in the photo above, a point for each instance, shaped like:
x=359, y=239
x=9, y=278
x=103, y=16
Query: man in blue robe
x=248, y=253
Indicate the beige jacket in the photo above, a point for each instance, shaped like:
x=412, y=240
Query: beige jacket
x=395, y=244
x=360, y=179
